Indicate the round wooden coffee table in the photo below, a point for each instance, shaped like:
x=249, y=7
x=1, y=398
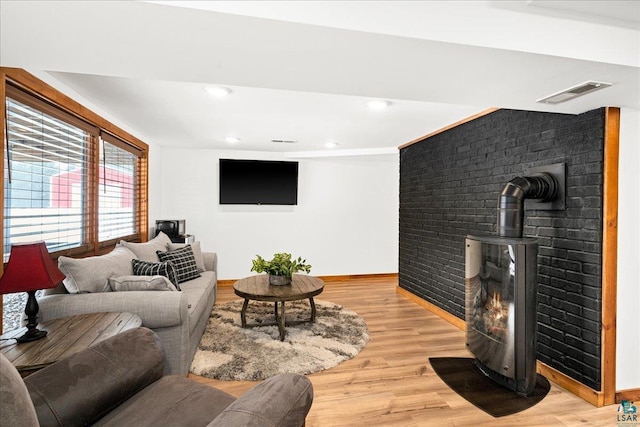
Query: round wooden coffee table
x=257, y=288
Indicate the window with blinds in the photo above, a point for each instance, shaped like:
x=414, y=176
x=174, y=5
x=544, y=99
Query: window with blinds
x=67, y=182
x=46, y=170
x=117, y=189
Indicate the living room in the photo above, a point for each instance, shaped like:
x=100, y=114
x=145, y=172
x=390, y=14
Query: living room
x=346, y=220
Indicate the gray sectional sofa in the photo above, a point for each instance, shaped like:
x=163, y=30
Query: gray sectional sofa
x=107, y=283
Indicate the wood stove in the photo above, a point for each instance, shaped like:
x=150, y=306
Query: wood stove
x=501, y=286
x=501, y=301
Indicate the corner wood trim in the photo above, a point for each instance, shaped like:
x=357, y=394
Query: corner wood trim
x=610, y=253
x=454, y=320
x=336, y=278
x=451, y=126
x=594, y=397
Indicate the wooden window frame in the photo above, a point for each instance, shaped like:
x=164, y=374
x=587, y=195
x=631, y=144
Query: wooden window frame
x=33, y=86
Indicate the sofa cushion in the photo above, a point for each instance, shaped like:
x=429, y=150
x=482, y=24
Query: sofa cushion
x=184, y=262
x=198, y=294
x=282, y=400
x=166, y=269
x=147, y=251
x=78, y=390
x=171, y=401
x=197, y=253
x=91, y=274
x=141, y=283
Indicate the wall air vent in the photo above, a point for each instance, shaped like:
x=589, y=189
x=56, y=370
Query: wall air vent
x=284, y=141
x=574, y=92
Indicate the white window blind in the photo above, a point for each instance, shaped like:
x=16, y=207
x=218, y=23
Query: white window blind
x=47, y=163
x=117, y=192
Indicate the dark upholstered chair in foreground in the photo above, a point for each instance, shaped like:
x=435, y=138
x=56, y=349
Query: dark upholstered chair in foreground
x=120, y=382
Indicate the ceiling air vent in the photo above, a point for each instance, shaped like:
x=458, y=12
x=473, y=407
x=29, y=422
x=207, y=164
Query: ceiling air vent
x=574, y=92
x=284, y=141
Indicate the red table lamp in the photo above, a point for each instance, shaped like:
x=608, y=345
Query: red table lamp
x=29, y=269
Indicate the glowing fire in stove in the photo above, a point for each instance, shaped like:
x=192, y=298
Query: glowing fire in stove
x=491, y=315
x=496, y=309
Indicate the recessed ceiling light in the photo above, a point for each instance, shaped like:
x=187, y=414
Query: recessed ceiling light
x=231, y=139
x=378, y=104
x=218, y=91
x=331, y=144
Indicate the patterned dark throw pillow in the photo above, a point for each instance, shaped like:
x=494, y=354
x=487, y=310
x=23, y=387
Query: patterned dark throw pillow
x=166, y=269
x=184, y=261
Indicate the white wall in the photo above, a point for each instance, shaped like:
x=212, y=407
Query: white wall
x=346, y=220
x=628, y=318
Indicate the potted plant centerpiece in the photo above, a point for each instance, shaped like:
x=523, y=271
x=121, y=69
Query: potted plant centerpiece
x=281, y=268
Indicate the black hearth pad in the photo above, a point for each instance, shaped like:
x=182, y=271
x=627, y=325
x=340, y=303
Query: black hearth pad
x=462, y=375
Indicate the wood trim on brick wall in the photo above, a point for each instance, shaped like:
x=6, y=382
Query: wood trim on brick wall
x=610, y=254
x=592, y=396
x=451, y=126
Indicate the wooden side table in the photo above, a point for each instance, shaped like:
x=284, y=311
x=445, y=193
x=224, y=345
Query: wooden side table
x=66, y=336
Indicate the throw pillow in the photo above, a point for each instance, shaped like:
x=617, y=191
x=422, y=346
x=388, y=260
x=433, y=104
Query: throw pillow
x=140, y=283
x=91, y=274
x=197, y=253
x=166, y=269
x=147, y=251
x=184, y=261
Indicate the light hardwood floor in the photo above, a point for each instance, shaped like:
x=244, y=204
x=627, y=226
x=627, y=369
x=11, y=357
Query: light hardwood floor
x=391, y=383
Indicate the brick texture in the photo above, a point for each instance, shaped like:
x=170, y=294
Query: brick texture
x=449, y=187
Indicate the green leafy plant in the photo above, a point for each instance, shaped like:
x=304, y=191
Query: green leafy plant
x=280, y=265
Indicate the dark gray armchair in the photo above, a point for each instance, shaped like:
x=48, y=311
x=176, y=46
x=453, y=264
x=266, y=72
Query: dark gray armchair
x=120, y=382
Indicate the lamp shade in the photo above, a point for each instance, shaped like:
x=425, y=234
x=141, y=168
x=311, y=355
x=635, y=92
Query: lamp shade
x=30, y=268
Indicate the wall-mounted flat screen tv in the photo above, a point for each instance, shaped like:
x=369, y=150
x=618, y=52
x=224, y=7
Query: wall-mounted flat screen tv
x=258, y=182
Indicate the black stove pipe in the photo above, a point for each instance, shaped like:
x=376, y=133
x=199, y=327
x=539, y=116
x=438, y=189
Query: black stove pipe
x=511, y=204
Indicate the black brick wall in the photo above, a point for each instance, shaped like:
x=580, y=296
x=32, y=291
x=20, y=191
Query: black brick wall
x=449, y=187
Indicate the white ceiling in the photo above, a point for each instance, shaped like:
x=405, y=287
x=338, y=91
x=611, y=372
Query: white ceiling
x=304, y=70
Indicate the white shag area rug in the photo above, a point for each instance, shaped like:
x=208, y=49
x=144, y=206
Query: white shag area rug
x=229, y=352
